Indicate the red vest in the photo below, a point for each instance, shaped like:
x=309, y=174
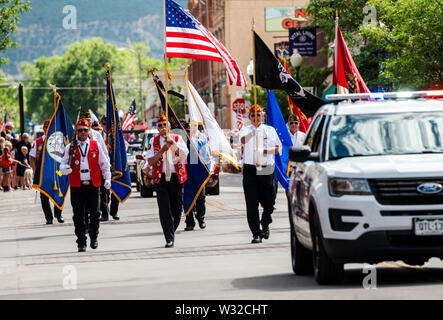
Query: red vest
x=94, y=167
x=38, y=148
x=180, y=167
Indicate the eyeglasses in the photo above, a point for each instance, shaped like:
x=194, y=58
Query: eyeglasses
x=82, y=130
x=161, y=125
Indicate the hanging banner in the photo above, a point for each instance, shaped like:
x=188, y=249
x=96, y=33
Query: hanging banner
x=304, y=40
x=281, y=50
x=284, y=18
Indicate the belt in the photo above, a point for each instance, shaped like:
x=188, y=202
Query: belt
x=86, y=182
x=253, y=165
x=84, y=171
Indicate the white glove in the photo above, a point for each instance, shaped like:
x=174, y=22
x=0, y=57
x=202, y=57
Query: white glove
x=65, y=171
x=107, y=184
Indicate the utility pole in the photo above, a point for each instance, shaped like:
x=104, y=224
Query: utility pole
x=22, y=110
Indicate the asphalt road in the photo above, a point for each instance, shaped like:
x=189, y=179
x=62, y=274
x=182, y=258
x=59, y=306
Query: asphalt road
x=41, y=262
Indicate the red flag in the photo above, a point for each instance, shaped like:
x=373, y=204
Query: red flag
x=346, y=77
x=304, y=122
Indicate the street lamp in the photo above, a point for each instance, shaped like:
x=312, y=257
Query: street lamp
x=140, y=75
x=250, y=70
x=296, y=60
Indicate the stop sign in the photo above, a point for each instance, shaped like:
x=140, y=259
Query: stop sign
x=239, y=105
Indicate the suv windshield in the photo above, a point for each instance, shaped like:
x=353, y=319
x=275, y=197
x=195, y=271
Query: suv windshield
x=379, y=134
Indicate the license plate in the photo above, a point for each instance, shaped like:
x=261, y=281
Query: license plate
x=428, y=227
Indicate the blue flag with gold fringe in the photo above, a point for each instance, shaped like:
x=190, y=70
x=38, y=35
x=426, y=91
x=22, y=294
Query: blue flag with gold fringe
x=276, y=120
x=47, y=178
x=198, y=173
x=121, y=179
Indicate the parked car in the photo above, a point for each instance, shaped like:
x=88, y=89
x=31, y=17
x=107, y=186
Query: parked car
x=144, y=181
x=367, y=186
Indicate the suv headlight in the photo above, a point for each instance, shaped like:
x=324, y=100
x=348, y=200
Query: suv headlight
x=342, y=186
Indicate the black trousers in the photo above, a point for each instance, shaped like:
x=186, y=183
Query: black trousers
x=199, y=210
x=114, y=205
x=46, y=206
x=258, y=188
x=85, y=204
x=104, y=201
x=170, y=205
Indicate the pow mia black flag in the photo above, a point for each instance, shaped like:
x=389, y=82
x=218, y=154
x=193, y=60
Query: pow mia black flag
x=271, y=74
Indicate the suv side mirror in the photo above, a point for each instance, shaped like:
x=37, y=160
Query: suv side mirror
x=302, y=154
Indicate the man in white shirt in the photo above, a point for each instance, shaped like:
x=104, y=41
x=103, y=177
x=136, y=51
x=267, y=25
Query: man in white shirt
x=167, y=155
x=260, y=143
x=297, y=137
x=85, y=169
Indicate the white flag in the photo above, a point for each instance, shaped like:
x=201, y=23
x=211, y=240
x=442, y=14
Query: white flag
x=199, y=112
x=93, y=116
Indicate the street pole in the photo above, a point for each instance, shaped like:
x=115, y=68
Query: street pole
x=22, y=112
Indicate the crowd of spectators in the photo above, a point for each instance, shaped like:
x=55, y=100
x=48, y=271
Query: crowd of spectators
x=16, y=172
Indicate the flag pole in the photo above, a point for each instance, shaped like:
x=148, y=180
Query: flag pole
x=166, y=91
x=54, y=88
x=337, y=90
x=255, y=93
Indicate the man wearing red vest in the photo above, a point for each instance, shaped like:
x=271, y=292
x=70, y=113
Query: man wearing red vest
x=88, y=163
x=35, y=156
x=167, y=155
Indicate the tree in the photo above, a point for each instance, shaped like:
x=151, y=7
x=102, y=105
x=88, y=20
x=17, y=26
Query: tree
x=8, y=100
x=411, y=33
x=10, y=11
x=80, y=75
x=401, y=47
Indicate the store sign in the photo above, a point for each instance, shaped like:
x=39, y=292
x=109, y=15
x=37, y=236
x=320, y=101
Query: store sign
x=284, y=18
x=304, y=40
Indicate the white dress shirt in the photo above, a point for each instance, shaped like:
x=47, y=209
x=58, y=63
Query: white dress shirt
x=263, y=137
x=172, y=158
x=297, y=138
x=84, y=162
x=97, y=136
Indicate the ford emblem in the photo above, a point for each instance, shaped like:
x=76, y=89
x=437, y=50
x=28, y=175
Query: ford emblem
x=430, y=188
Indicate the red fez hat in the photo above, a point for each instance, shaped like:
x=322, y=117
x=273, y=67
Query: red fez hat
x=255, y=106
x=82, y=122
x=46, y=123
x=162, y=118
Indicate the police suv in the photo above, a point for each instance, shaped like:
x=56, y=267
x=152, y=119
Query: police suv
x=367, y=186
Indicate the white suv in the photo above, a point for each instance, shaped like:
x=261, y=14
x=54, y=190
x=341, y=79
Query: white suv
x=367, y=186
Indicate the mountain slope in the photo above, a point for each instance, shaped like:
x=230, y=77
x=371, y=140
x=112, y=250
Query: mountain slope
x=41, y=31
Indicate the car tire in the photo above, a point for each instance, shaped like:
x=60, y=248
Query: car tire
x=301, y=258
x=325, y=270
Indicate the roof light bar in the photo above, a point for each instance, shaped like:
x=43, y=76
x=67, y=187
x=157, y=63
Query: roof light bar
x=387, y=95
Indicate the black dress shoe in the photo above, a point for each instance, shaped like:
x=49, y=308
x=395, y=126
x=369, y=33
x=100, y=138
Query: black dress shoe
x=169, y=244
x=189, y=228
x=256, y=239
x=102, y=218
x=202, y=224
x=265, y=232
x=82, y=248
x=48, y=221
x=116, y=217
x=60, y=219
x=94, y=243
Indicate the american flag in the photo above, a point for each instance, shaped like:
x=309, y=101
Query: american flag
x=239, y=120
x=186, y=37
x=131, y=118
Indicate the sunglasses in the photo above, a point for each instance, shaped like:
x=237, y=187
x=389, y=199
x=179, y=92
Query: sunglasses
x=161, y=125
x=82, y=130
x=294, y=122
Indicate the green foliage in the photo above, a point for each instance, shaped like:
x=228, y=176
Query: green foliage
x=407, y=39
x=411, y=33
x=9, y=101
x=10, y=11
x=81, y=77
